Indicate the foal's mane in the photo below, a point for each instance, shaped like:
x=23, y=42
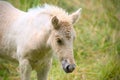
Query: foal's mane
x=53, y=11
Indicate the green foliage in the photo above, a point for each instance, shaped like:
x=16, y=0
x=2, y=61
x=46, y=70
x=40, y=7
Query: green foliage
x=111, y=70
x=97, y=45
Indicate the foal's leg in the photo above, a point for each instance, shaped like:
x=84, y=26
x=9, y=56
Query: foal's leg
x=25, y=69
x=43, y=73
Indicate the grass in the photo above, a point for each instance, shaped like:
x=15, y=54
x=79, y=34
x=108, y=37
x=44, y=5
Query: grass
x=96, y=48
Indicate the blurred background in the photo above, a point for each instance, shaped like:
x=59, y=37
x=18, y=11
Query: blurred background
x=96, y=48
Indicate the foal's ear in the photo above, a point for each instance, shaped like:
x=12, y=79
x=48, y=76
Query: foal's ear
x=75, y=16
x=55, y=22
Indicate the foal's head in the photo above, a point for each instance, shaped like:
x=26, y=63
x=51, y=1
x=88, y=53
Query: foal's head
x=61, y=40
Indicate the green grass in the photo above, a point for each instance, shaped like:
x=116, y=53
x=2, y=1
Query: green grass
x=96, y=48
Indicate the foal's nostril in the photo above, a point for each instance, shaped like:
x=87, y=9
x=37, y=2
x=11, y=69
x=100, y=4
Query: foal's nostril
x=70, y=68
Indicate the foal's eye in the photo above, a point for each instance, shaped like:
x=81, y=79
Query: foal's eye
x=59, y=41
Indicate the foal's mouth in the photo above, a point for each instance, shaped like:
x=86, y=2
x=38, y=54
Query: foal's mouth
x=68, y=68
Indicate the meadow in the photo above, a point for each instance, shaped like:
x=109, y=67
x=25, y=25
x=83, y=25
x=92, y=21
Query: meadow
x=96, y=47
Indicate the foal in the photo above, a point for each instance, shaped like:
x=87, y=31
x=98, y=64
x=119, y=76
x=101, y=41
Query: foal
x=30, y=38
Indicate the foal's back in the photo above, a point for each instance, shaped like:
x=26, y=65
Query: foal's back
x=8, y=14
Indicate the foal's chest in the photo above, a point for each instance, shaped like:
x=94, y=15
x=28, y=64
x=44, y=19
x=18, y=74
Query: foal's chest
x=39, y=57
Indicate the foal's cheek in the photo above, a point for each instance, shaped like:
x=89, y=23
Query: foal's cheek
x=48, y=43
x=51, y=44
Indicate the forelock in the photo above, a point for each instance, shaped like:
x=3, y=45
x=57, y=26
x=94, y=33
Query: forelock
x=66, y=28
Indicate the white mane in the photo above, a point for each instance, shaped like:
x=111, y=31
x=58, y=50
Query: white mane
x=52, y=10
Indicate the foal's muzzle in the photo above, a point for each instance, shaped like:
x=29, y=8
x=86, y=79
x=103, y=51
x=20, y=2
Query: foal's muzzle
x=68, y=68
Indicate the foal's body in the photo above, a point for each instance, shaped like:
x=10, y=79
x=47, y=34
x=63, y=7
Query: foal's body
x=20, y=39
x=26, y=38
x=8, y=14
